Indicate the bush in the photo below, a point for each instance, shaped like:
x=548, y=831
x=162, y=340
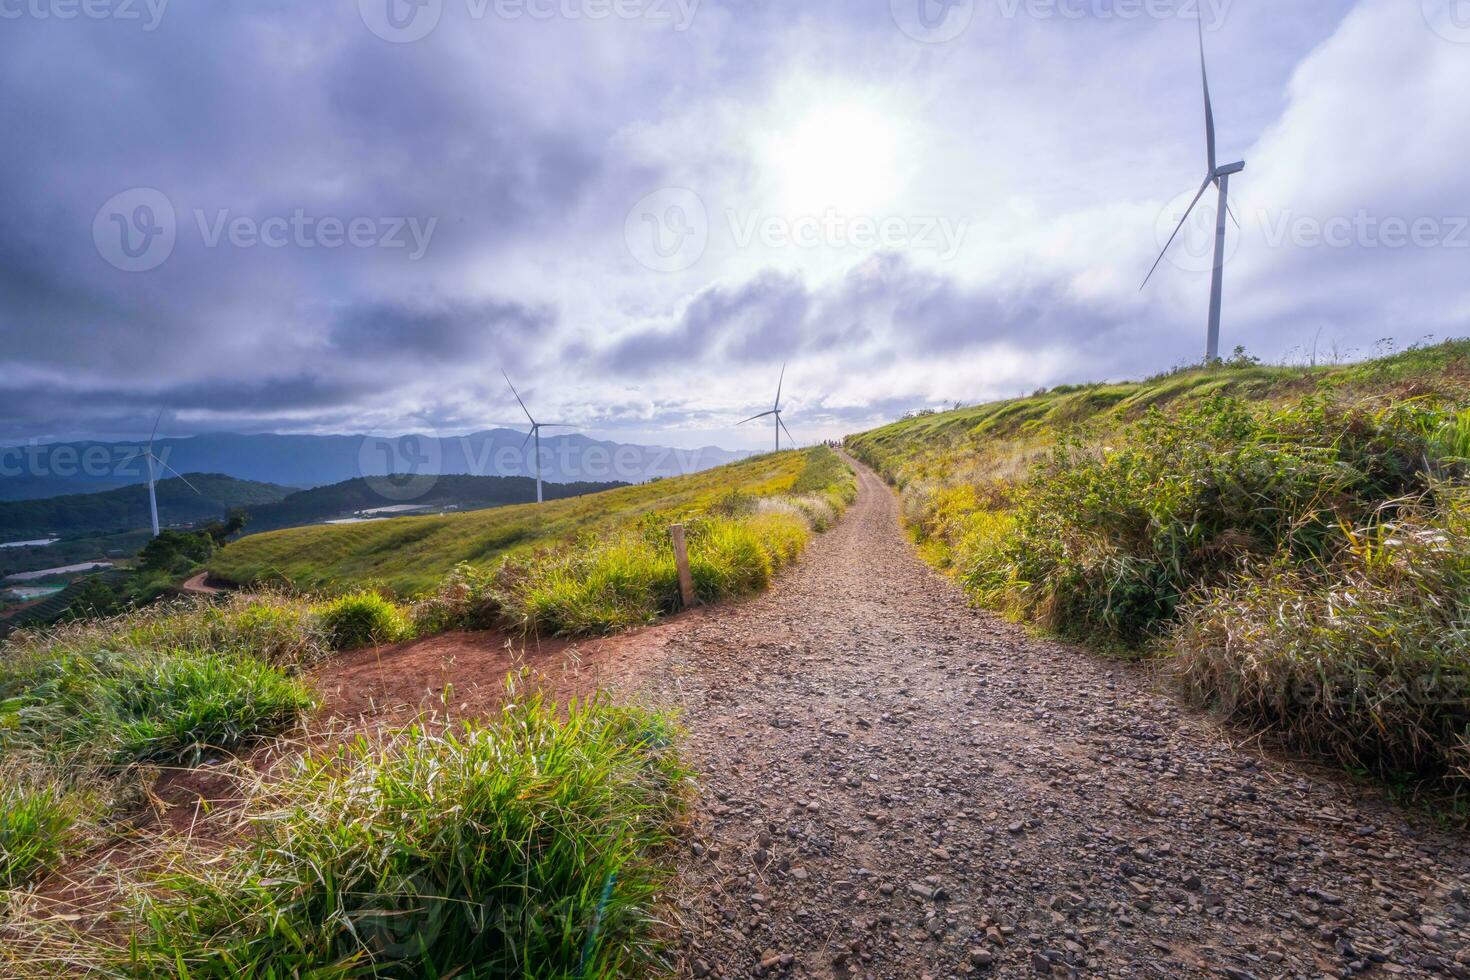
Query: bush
x=1108, y=542
x=521, y=849
x=363, y=618
x=1367, y=661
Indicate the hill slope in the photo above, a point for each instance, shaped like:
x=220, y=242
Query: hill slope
x=126, y=508
x=412, y=554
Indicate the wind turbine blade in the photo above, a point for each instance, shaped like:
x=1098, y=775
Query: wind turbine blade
x=1202, y=188
x=529, y=436
x=1209, y=107
x=556, y=425
x=155, y=430
x=787, y=431
x=136, y=455
x=518, y=396
x=177, y=474
x=779, y=384
x=754, y=417
x=1231, y=211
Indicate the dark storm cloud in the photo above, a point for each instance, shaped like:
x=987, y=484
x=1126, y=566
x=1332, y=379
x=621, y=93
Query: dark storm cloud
x=884, y=306
x=742, y=324
x=434, y=334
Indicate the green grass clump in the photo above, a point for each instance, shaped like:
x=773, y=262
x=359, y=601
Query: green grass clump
x=108, y=709
x=1367, y=660
x=364, y=618
x=526, y=848
x=37, y=826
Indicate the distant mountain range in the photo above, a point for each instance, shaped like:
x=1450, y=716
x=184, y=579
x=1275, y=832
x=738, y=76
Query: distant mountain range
x=270, y=506
x=37, y=472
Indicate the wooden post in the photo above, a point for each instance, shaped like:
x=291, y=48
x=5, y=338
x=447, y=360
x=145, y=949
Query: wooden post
x=681, y=561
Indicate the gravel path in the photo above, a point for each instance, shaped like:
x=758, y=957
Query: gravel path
x=896, y=785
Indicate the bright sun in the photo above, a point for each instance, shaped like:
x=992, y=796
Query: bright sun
x=841, y=157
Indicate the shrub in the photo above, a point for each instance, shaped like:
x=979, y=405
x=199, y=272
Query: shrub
x=520, y=849
x=1367, y=661
x=362, y=618
x=1108, y=541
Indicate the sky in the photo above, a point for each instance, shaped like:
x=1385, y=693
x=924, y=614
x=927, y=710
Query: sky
x=353, y=215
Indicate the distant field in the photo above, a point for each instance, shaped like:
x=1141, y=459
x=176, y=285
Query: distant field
x=411, y=555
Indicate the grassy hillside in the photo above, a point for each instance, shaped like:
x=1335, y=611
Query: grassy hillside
x=412, y=555
x=465, y=492
x=1295, y=542
x=127, y=508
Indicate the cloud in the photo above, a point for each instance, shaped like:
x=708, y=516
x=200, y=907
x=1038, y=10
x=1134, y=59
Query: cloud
x=527, y=142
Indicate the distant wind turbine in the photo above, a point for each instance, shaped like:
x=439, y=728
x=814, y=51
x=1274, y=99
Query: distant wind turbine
x=152, y=458
x=535, y=432
x=1220, y=176
x=776, y=412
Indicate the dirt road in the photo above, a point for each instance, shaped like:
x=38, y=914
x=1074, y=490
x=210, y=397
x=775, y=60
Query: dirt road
x=899, y=786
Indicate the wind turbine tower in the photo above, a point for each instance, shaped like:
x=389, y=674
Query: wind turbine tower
x=1220, y=177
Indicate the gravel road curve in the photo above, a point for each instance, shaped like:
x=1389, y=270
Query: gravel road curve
x=897, y=785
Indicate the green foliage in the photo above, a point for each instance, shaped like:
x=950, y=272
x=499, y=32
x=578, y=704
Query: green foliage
x=100, y=708
x=364, y=618
x=608, y=581
x=1368, y=660
x=37, y=826
x=521, y=849
x=1107, y=542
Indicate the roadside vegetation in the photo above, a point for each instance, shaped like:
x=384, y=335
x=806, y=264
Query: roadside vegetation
x=1292, y=542
x=526, y=845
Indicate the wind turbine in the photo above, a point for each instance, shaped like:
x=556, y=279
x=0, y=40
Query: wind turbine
x=152, y=458
x=1220, y=176
x=535, y=432
x=775, y=412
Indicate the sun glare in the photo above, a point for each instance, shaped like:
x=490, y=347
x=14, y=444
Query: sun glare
x=841, y=157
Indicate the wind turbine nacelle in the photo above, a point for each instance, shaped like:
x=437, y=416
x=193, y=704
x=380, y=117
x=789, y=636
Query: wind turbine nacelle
x=1228, y=169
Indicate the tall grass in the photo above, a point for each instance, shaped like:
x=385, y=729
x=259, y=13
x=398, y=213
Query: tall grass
x=38, y=824
x=609, y=581
x=1367, y=660
x=109, y=709
x=1109, y=540
x=524, y=848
